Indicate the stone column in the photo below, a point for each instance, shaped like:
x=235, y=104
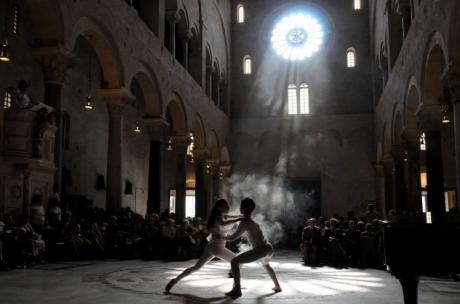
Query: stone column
x=55, y=62
x=380, y=188
x=200, y=182
x=173, y=18
x=453, y=89
x=430, y=117
x=185, y=46
x=209, y=81
x=200, y=191
x=435, y=176
x=157, y=128
x=414, y=188
x=114, y=99
x=400, y=184
x=180, y=149
x=389, y=185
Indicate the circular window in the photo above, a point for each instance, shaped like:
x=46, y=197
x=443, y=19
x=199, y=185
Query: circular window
x=297, y=36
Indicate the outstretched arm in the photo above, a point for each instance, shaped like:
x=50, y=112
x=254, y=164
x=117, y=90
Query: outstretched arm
x=231, y=221
x=237, y=234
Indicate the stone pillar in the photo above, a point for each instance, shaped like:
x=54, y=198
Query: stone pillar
x=380, y=188
x=114, y=99
x=435, y=176
x=202, y=203
x=414, y=188
x=389, y=185
x=180, y=150
x=173, y=18
x=55, y=61
x=210, y=84
x=157, y=128
x=453, y=88
x=400, y=184
x=185, y=53
x=200, y=190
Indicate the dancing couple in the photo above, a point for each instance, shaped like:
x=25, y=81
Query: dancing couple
x=217, y=222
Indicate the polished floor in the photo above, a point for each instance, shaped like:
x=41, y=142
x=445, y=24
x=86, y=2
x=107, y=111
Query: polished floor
x=143, y=282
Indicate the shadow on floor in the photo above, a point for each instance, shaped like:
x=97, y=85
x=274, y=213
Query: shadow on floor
x=193, y=299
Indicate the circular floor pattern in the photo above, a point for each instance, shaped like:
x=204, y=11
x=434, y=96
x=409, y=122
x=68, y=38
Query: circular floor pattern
x=211, y=282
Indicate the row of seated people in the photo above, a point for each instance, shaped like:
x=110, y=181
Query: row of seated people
x=341, y=242
x=57, y=235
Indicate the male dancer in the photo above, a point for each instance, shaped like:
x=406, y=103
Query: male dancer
x=261, y=249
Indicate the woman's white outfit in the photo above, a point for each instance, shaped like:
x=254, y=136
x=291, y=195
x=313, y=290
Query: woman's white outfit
x=215, y=248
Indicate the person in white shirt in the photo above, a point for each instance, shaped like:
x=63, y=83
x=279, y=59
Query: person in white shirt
x=261, y=249
x=216, y=224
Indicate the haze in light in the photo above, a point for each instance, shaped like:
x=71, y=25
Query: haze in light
x=297, y=36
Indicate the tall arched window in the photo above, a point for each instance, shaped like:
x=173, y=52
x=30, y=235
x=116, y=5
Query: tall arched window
x=247, y=65
x=292, y=99
x=7, y=100
x=304, y=99
x=15, y=19
x=240, y=13
x=423, y=142
x=357, y=4
x=351, y=58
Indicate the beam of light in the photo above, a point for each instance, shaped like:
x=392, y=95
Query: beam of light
x=347, y=287
x=297, y=36
x=356, y=282
x=310, y=288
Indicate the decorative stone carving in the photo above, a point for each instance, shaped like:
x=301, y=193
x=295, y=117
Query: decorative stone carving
x=55, y=62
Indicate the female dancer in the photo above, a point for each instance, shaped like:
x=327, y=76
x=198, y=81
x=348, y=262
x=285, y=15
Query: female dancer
x=217, y=220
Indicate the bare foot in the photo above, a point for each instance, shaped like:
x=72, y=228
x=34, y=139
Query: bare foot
x=169, y=286
x=277, y=289
x=234, y=293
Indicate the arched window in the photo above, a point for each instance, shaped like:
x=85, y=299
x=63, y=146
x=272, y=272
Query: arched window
x=15, y=19
x=423, y=142
x=7, y=100
x=357, y=4
x=292, y=99
x=240, y=13
x=351, y=58
x=304, y=99
x=247, y=65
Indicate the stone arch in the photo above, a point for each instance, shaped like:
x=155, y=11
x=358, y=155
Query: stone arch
x=151, y=90
x=176, y=115
x=435, y=64
x=183, y=26
x=99, y=37
x=47, y=19
x=225, y=156
x=199, y=132
x=386, y=141
x=397, y=126
x=412, y=103
x=196, y=56
x=208, y=68
x=213, y=145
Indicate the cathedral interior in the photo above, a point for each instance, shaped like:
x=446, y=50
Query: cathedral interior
x=122, y=122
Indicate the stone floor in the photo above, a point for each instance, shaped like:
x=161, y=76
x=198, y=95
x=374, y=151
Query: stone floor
x=143, y=282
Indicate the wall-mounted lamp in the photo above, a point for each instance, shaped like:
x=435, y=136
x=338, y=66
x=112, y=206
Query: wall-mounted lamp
x=170, y=148
x=445, y=116
x=190, y=149
x=4, y=55
x=208, y=168
x=89, y=103
x=137, y=129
